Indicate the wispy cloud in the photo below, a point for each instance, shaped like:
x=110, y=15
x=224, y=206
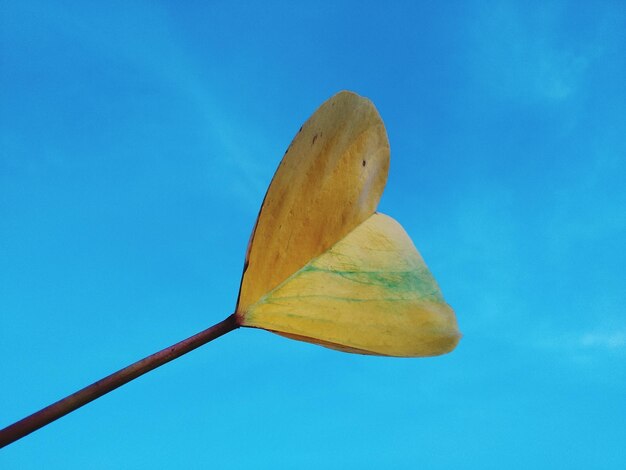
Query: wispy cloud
x=585, y=346
x=142, y=36
x=518, y=52
x=612, y=340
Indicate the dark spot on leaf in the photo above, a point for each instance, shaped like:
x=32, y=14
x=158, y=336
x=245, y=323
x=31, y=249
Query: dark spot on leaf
x=314, y=139
x=364, y=163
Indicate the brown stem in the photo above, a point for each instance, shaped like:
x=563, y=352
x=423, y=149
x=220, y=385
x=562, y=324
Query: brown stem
x=68, y=404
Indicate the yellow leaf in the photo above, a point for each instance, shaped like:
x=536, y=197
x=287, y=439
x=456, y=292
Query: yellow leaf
x=321, y=266
x=370, y=293
x=329, y=181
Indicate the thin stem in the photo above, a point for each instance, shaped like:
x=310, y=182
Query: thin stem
x=70, y=403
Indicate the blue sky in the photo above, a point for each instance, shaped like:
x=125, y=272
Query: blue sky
x=136, y=143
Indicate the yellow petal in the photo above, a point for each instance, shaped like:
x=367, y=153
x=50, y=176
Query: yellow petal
x=329, y=181
x=370, y=293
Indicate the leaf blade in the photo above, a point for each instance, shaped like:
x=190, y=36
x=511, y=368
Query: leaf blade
x=329, y=181
x=371, y=293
